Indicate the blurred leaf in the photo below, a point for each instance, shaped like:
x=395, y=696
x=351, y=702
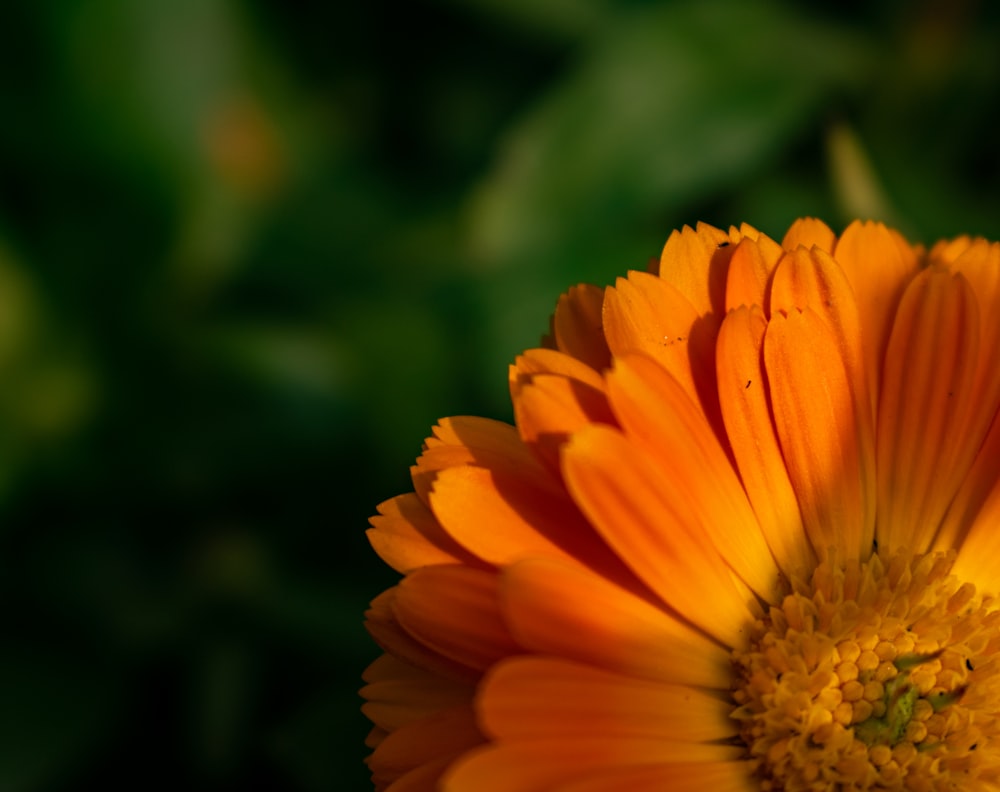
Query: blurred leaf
x=557, y=17
x=672, y=104
x=54, y=712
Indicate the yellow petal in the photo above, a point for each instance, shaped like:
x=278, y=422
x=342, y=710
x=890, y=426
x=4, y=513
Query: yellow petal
x=746, y=409
x=927, y=390
x=815, y=417
x=620, y=489
x=527, y=698
x=549, y=609
x=699, y=482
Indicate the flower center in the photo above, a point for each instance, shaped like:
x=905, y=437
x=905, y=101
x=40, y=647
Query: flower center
x=876, y=675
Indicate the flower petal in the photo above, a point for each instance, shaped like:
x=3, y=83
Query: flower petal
x=502, y=518
x=878, y=263
x=677, y=777
x=549, y=408
x=647, y=314
x=977, y=557
x=746, y=409
x=455, y=611
x=528, y=698
x=406, y=535
x=550, y=361
x=750, y=270
x=699, y=482
x=383, y=625
x=927, y=390
x=422, y=779
x=695, y=261
x=398, y=693
x=817, y=426
x=548, y=608
x=620, y=488
x=439, y=736
x=808, y=232
x=540, y=765
x=812, y=279
x=577, y=327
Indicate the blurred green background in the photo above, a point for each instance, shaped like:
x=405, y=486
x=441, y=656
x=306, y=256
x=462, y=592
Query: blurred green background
x=251, y=251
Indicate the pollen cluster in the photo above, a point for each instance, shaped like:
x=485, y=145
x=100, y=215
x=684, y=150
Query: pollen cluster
x=880, y=674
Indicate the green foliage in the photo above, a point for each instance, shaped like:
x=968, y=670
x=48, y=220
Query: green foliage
x=251, y=251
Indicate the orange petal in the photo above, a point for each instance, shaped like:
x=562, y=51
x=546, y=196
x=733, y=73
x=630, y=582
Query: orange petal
x=977, y=557
x=540, y=765
x=550, y=361
x=455, y=611
x=744, y=396
x=649, y=315
x=474, y=432
x=503, y=518
x=620, y=488
x=549, y=408
x=695, y=262
x=383, y=625
x=406, y=535
x=439, y=736
x=577, y=326
x=750, y=271
x=812, y=279
x=528, y=698
x=927, y=389
x=458, y=442
x=976, y=489
x=817, y=426
x=678, y=777
x=398, y=693
x=422, y=779
x=980, y=265
x=878, y=262
x=808, y=232
x=553, y=608
x=699, y=484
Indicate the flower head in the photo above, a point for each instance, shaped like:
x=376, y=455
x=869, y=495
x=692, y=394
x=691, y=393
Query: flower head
x=742, y=535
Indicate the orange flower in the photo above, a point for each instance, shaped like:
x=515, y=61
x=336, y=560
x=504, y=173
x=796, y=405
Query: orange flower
x=742, y=536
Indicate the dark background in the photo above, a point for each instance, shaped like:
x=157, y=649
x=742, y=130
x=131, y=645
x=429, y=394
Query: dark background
x=251, y=251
